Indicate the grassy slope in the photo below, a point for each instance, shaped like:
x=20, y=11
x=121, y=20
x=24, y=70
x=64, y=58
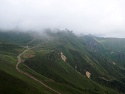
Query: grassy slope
x=48, y=62
x=64, y=89
x=7, y=65
x=115, y=47
x=12, y=85
x=11, y=80
x=108, y=56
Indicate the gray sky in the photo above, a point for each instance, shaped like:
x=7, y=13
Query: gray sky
x=99, y=17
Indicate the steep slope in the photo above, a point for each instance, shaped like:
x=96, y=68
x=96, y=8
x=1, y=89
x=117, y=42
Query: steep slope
x=63, y=61
x=115, y=47
x=107, y=56
x=11, y=81
x=11, y=85
x=80, y=61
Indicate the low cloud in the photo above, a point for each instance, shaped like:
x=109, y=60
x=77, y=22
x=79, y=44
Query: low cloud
x=98, y=17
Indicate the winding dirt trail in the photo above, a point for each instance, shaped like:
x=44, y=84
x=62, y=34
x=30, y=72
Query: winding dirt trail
x=30, y=76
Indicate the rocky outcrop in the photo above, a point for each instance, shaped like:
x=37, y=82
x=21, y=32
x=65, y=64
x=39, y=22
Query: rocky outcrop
x=88, y=74
x=63, y=57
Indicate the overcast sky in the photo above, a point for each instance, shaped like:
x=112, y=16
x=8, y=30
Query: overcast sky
x=98, y=17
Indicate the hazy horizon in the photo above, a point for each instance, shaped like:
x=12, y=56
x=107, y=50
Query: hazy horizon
x=99, y=17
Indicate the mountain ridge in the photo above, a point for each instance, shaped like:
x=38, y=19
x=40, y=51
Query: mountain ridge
x=83, y=55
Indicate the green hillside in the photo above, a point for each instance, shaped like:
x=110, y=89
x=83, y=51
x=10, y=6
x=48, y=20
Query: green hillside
x=61, y=60
x=80, y=59
x=11, y=81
